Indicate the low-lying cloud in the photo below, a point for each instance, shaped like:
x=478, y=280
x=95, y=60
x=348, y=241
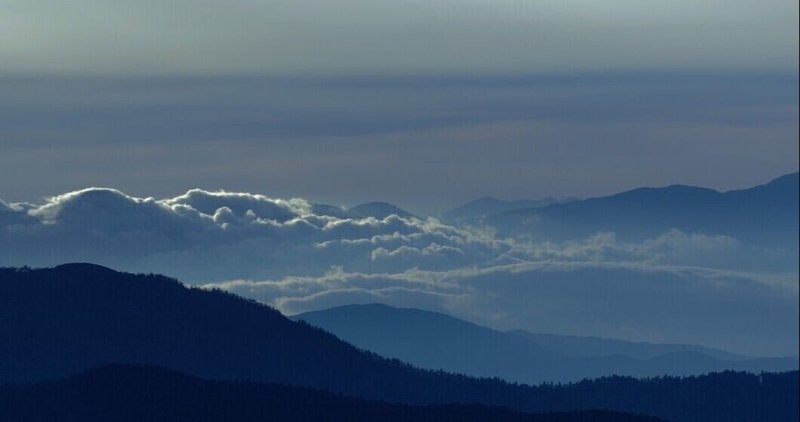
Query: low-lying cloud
x=217, y=235
x=298, y=256
x=744, y=312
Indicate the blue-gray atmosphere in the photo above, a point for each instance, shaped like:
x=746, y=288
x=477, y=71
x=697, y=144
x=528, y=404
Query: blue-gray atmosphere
x=399, y=210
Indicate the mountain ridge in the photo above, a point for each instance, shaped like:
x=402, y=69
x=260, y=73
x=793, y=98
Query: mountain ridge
x=487, y=205
x=434, y=340
x=64, y=320
x=763, y=216
x=378, y=209
x=137, y=393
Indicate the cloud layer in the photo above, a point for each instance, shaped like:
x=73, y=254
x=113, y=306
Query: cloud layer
x=299, y=256
x=381, y=36
x=748, y=313
x=425, y=142
x=211, y=235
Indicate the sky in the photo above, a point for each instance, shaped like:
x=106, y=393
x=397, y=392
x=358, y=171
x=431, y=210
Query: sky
x=412, y=36
x=285, y=105
x=425, y=104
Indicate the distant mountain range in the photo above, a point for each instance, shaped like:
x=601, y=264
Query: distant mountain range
x=437, y=341
x=634, y=214
x=765, y=214
x=486, y=206
x=64, y=320
x=378, y=210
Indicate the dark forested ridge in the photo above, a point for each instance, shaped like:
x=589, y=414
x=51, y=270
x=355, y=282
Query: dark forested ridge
x=140, y=393
x=60, y=321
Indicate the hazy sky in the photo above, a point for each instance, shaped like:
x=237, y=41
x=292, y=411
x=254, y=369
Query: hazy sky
x=426, y=104
x=409, y=36
x=423, y=103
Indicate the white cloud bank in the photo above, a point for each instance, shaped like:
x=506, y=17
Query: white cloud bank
x=300, y=256
x=215, y=235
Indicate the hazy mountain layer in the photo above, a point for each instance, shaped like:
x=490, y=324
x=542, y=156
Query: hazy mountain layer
x=63, y=320
x=437, y=341
x=727, y=291
x=764, y=215
x=486, y=206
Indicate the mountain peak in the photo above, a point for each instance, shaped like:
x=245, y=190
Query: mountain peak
x=379, y=210
x=82, y=266
x=84, y=270
x=487, y=205
x=785, y=180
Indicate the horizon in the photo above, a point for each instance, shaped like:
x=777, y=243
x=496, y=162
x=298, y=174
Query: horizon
x=481, y=266
x=406, y=207
x=424, y=142
x=620, y=176
x=425, y=106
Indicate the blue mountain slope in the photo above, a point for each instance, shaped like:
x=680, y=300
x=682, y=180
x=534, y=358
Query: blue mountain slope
x=765, y=215
x=575, y=346
x=486, y=206
x=437, y=341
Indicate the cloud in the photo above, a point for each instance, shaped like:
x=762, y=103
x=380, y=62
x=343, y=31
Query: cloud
x=350, y=140
x=13, y=214
x=358, y=36
x=205, y=236
x=208, y=235
x=747, y=312
x=242, y=204
x=671, y=247
x=299, y=256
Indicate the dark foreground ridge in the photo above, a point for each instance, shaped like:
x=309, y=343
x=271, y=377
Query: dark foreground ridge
x=142, y=393
x=61, y=321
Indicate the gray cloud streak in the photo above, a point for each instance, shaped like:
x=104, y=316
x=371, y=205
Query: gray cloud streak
x=312, y=36
x=411, y=140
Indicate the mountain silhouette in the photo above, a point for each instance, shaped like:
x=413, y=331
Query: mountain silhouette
x=146, y=393
x=379, y=210
x=63, y=320
x=60, y=321
x=765, y=215
x=645, y=212
x=437, y=341
x=485, y=206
